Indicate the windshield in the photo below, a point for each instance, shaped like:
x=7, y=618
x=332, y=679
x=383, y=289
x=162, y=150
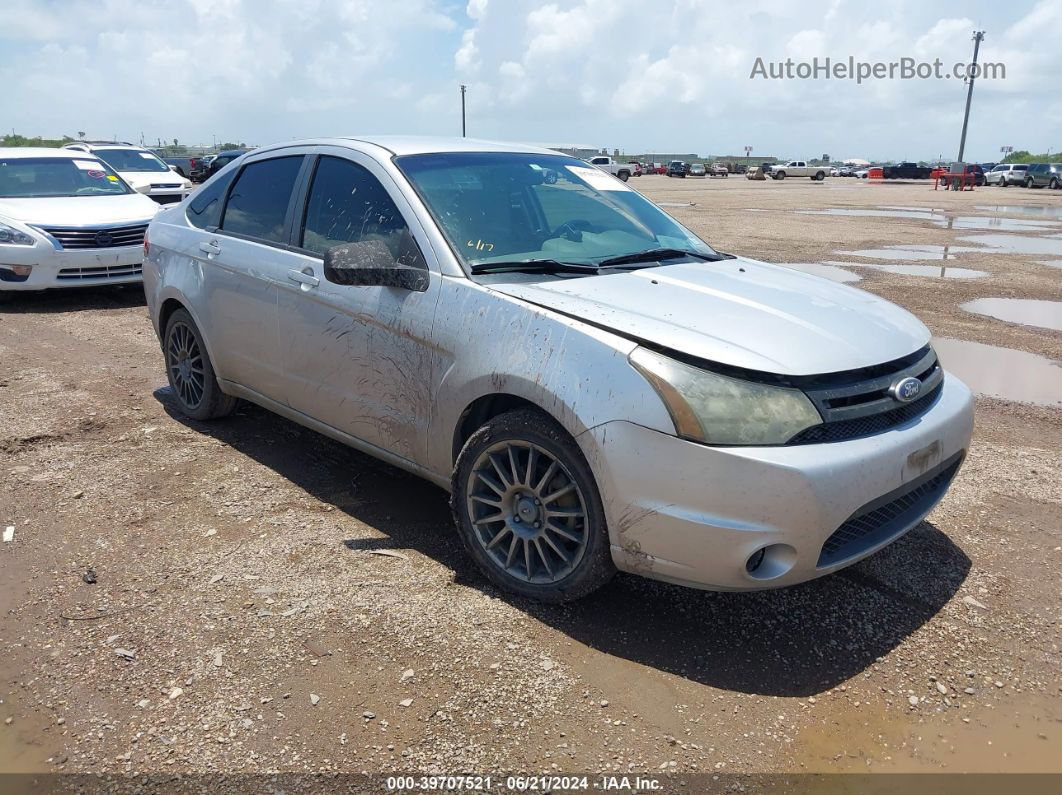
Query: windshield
x=131, y=160
x=503, y=207
x=40, y=177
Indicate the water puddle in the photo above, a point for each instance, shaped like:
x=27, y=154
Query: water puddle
x=827, y=270
x=941, y=272
x=1054, y=263
x=1026, y=311
x=912, y=251
x=1017, y=244
x=1002, y=372
x=1037, y=210
x=942, y=220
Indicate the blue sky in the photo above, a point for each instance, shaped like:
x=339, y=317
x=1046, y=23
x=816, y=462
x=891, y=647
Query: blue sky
x=671, y=75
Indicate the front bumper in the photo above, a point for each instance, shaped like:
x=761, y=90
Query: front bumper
x=58, y=268
x=693, y=514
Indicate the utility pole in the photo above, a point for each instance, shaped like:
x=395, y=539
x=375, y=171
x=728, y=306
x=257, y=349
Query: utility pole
x=463, y=87
x=971, y=74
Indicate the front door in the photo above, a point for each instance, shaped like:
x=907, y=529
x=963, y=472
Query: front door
x=359, y=358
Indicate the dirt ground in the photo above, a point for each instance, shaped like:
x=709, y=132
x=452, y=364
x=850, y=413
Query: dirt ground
x=268, y=600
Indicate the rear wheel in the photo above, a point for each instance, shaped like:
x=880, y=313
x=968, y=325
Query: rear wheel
x=1028, y=182
x=528, y=510
x=190, y=372
x=624, y=176
x=1055, y=184
x=820, y=175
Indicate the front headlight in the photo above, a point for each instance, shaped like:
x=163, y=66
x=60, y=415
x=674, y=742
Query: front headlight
x=9, y=236
x=717, y=409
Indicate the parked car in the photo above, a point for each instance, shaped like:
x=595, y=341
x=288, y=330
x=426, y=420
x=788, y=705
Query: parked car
x=622, y=171
x=906, y=171
x=1006, y=174
x=1044, y=175
x=718, y=170
x=846, y=171
x=740, y=168
x=797, y=168
x=442, y=305
x=193, y=168
x=222, y=159
x=676, y=168
x=139, y=167
x=697, y=170
x=67, y=219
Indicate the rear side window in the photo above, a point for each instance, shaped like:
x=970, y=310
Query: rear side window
x=347, y=204
x=205, y=209
x=258, y=202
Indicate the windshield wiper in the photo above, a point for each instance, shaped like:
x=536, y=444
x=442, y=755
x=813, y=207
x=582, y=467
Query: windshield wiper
x=532, y=266
x=656, y=254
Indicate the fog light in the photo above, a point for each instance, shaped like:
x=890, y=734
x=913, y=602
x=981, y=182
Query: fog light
x=770, y=562
x=15, y=273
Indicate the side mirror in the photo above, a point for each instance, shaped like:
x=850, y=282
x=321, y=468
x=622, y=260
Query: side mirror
x=173, y=167
x=368, y=263
x=145, y=189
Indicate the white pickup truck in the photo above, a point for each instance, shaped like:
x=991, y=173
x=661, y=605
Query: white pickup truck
x=622, y=170
x=797, y=168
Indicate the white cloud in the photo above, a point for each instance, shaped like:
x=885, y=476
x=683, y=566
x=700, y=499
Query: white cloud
x=602, y=71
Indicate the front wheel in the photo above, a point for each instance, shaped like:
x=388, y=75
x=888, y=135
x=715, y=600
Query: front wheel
x=780, y=175
x=1054, y=184
x=528, y=510
x=190, y=372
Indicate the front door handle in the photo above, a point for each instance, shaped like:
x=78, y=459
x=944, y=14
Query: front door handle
x=305, y=277
x=210, y=248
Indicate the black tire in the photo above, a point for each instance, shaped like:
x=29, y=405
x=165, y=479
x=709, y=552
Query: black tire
x=1055, y=185
x=819, y=176
x=195, y=388
x=1028, y=182
x=779, y=175
x=624, y=176
x=1002, y=182
x=593, y=567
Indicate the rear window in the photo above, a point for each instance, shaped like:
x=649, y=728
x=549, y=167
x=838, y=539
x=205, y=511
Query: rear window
x=1021, y=168
x=258, y=203
x=40, y=177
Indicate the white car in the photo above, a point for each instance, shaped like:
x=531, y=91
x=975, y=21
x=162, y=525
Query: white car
x=140, y=168
x=67, y=220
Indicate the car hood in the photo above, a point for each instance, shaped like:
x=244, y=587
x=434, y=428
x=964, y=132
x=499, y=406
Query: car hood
x=79, y=210
x=739, y=312
x=140, y=178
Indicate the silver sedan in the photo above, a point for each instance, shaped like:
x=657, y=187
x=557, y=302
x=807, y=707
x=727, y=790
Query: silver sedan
x=598, y=388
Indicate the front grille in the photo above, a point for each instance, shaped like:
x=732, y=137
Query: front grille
x=866, y=426
x=889, y=516
x=858, y=403
x=99, y=237
x=169, y=198
x=99, y=272
x=165, y=186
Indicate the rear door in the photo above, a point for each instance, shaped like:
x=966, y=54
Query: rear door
x=359, y=358
x=243, y=260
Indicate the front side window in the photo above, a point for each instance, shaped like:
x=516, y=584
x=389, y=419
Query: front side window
x=258, y=202
x=504, y=206
x=131, y=160
x=205, y=209
x=41, y=177
x=347, y=204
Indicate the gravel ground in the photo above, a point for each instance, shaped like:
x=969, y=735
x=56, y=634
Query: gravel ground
x=264, y=599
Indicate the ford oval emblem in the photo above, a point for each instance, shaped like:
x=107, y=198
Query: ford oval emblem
x=906, y=389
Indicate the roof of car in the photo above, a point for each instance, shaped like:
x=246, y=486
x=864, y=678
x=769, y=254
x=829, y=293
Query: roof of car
x=39, y=151
x=416, y=145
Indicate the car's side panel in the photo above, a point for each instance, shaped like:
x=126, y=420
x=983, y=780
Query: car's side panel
x=575, y=372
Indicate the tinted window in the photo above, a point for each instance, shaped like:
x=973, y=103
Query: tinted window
x=205, y=209
x=1020, y=168
x=259, y=199
x=347, y=204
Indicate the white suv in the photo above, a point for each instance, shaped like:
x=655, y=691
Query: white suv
x=67, y=220
x=143, y=170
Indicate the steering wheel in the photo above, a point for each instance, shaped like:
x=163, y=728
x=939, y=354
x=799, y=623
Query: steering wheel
x=573, y=230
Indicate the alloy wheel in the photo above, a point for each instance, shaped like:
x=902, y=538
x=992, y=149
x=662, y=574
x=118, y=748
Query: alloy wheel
x=527, y=512
x=184, y=360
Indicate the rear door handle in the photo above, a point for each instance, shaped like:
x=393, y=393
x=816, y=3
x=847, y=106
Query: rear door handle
x=302, y=277
x=210, y=248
